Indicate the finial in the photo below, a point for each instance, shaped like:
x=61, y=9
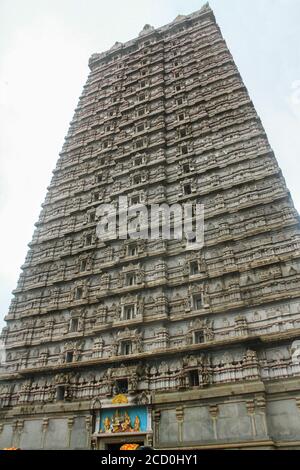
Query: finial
x=178, y=18
x=146, y=29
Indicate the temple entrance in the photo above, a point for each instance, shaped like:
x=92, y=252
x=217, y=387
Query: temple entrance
x=117, y=422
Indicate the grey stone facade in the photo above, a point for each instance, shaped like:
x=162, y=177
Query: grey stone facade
x=214, y=335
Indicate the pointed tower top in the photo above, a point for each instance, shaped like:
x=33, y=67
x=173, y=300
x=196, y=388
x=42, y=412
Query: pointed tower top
x=146, y=29
x=178, y=18
x=206, y=6
x=116, y=45
x=203, y=9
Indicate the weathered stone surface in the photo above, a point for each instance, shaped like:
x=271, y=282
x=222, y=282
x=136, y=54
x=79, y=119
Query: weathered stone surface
x=213, y=337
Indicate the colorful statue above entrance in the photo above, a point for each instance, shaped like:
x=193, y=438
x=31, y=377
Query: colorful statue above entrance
x=123, y=420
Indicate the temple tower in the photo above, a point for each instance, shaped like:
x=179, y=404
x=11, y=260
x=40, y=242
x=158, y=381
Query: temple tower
x=113, y=341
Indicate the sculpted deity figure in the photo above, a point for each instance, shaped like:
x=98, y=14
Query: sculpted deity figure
x=137, y=424
x=126, y=425
x=106, y=424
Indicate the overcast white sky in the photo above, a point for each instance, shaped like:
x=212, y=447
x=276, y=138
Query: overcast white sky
x=44, y=50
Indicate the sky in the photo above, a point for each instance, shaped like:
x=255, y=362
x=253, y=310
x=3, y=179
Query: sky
x=44, y=50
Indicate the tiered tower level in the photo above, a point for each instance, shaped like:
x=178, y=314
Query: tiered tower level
x=203, y=346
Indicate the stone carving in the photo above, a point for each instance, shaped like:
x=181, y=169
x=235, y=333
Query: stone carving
x=146, y=30
x=162, y=118
x=295, y=351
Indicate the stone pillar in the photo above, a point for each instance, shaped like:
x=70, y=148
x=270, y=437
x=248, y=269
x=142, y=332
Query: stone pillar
x=156, y=420
x=214, y=413
x=149, y=436
x=261, y=405
x=180, y=419
x=18, y=428
x=250, y=405
x=70, y=427
x=88, y=428
x=45, y=426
